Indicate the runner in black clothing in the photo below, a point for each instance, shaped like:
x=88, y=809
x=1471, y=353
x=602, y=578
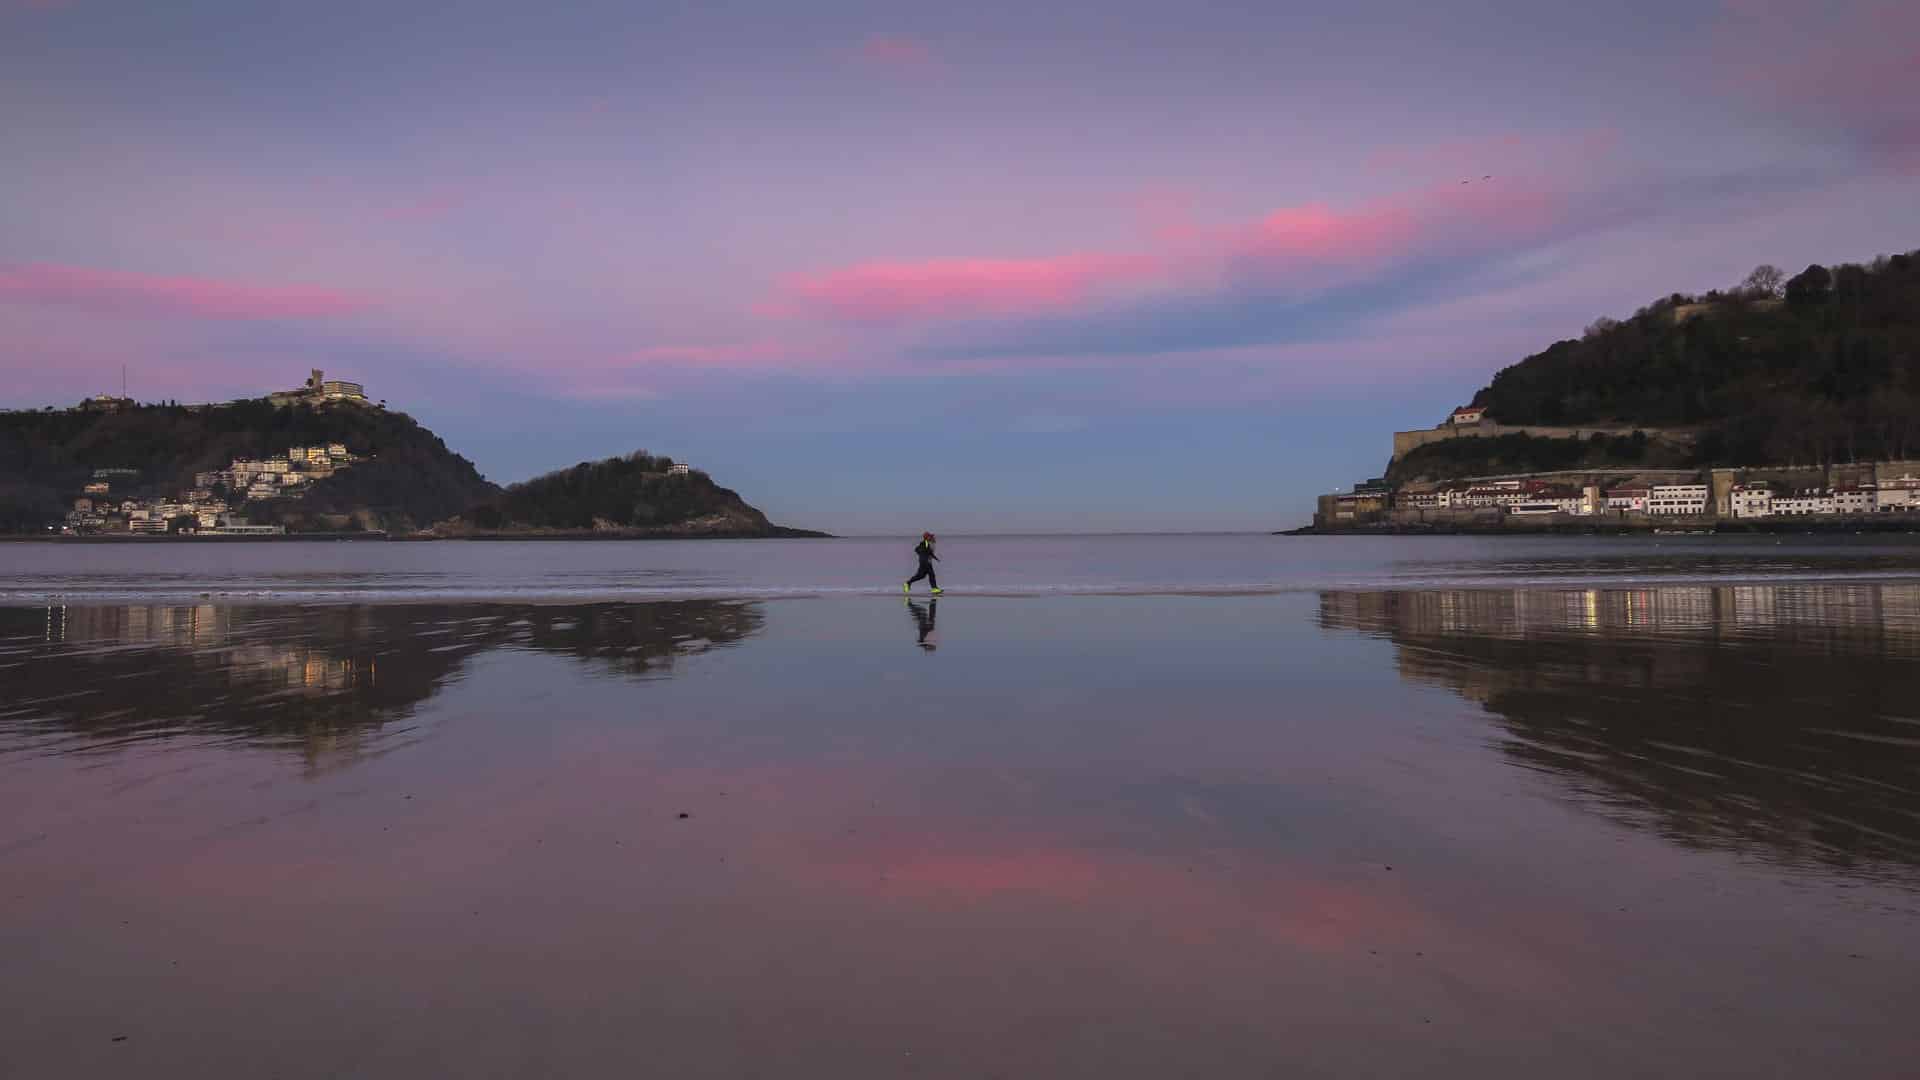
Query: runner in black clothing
x=924, y=549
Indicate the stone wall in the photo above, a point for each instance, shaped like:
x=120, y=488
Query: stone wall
x=1404, y=441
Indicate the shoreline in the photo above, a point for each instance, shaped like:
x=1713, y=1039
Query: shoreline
x=779, y=533
x=1906, y=524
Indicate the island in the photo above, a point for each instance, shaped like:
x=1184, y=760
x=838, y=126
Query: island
x=1780, y=404
x=323, y=460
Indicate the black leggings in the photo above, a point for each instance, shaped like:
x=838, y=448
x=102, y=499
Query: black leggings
x=926, y=571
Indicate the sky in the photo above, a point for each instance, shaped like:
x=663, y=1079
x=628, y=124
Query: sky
x=881, y=267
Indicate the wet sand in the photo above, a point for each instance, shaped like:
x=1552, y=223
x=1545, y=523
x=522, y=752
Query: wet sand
x=1572, y=832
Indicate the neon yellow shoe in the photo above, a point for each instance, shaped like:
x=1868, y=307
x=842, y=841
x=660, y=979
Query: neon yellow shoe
x=937, y=592
x=907, y=588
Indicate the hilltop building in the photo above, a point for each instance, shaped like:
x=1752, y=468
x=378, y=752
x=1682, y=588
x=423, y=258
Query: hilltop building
x=321, y=390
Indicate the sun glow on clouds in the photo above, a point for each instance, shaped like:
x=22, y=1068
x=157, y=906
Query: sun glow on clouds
x=117, y=292
x=1305, y=245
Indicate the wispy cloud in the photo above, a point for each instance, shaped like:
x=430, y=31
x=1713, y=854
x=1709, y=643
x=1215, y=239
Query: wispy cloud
x=1309, y=246
x=1845, y=68
x=882, y=292
x=896, y=51
x=118, y=292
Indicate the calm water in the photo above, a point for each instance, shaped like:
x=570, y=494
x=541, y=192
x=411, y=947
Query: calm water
x=1004, y=566
x=1654, y=810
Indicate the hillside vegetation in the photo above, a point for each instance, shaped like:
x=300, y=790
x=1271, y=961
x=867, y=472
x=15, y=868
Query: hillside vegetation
x=410, y=480
x=1454, y=459
x=1819, y=367
x=637, y=493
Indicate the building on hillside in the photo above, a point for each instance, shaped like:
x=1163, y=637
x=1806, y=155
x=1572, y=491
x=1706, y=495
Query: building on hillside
x=152, y=524
x=1752, y=501
x=83, y=505
x=679, y=468
x=1464, y=415
x=1627, y=499
x=1853, y=500
x=337, y=451
x=98, y=487
x=1802, y=503
x=1677, y=499
x=319, y=389
x=1545, y=499
x=1494, y=493
x=1897, y=493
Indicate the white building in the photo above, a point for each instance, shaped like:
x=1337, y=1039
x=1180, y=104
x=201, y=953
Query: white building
x=1801, y=503
x=1677, y=499
x=1850, y=500
x=682, y=469
x=1752, y=501
x=1629, y=499
x=1898, y=493
x=1466, y=414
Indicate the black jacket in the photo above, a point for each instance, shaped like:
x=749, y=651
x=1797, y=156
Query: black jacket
x=925, y=551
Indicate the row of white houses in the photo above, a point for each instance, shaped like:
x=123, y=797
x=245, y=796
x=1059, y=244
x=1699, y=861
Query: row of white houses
x=1753, y=500
x=1888, y=496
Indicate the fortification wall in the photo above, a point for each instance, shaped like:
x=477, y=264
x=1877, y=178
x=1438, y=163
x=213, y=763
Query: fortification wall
x=1404, y=441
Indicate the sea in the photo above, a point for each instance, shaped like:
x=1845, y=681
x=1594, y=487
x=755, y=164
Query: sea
x=1110, y=806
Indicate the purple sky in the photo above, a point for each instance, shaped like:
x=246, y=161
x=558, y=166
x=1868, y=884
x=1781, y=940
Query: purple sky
x=882, y=267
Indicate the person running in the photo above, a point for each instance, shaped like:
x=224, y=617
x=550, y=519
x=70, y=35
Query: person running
x=924, y=549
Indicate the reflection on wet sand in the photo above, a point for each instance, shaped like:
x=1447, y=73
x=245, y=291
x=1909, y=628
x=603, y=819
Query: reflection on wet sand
x=329, y=682
x=924, y=617
x=1090, y=837
x=1781, y=722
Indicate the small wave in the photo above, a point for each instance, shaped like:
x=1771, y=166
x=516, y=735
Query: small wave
x=548, y=591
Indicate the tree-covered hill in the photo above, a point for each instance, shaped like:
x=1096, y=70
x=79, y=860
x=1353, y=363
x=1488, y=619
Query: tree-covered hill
x=1822, y=366
x=1454, y=459
x=638, y=493
x=409, y=477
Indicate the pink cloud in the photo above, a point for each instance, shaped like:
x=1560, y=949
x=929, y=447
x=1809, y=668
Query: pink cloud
x=948, y=288
x=896, y=51
x=117, y=292
x=1306, y=244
